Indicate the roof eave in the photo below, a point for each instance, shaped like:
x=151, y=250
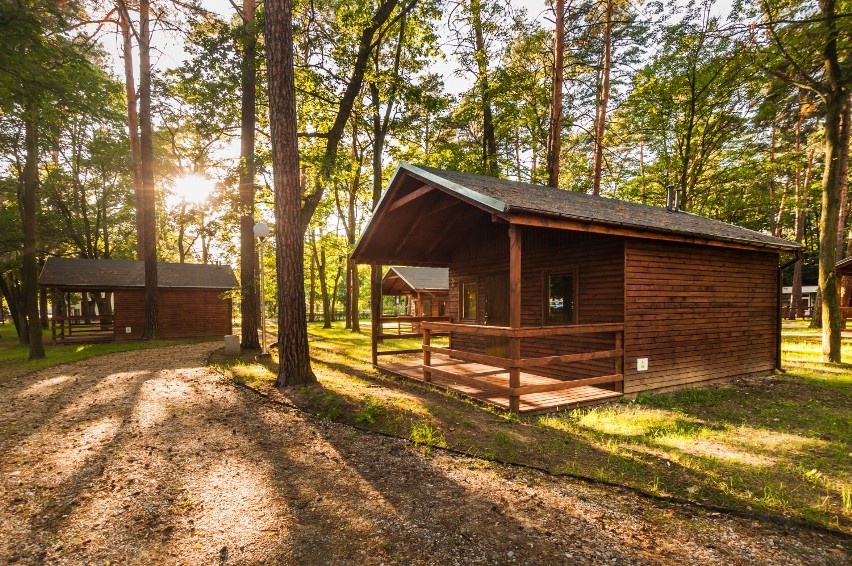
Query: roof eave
x=787, y=247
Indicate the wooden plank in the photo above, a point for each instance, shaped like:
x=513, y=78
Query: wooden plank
x=427, y=355
x=375, y=309
x=526, y=331
x=415, y=319
x=393, y=352
x=563, y=385
x=414, y=195
x=472, y=381
x=470, y=356
x=515, y=242
x=567, y=358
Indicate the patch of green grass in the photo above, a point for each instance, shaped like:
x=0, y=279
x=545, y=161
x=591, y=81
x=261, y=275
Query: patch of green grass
x=781, y=444
x=426, y=434
x=14, y=357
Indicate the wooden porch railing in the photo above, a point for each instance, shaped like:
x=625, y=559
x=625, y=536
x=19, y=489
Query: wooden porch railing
x=516, y=363
x=81, y=325
x=401, y=327
x=845, y=315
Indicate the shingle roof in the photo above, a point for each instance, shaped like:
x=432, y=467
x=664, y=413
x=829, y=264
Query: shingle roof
x=105, y=274
x=424, y=278
x=514, y=197
x=844, y=266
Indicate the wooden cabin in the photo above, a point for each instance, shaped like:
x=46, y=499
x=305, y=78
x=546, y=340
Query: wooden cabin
x=844, y=275
x=194, y=300
x=559, y=299
x=424, y=291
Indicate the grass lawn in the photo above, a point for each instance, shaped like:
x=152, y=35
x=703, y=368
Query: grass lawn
x=778, y=445
x=14, y=362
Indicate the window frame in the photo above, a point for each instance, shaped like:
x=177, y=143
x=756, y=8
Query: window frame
x=462, y=283
x=546, y=275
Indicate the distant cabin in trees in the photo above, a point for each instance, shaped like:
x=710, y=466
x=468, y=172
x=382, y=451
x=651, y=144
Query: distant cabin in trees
x=844, y=272
x=560, y=299
x=194, y=299
x=417, y=291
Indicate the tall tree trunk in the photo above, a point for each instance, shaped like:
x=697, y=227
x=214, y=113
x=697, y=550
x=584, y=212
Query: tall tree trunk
x=489, y=140
x=600, y=120
x=249, y=312
x=133, y=125
x=774, y=218
x=334, y=290
x=30, y=267
x=845, y=127
x=294, y=362
x=835, y=99
x=323, y=281
x=10, y=293
x=42, y=308
x=554, y=143
x=845, y=115
x=802, y=187
x=816, y=311
x=151, y=328
x=313, y=290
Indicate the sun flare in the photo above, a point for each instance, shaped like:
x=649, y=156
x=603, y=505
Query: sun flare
x=193, y=188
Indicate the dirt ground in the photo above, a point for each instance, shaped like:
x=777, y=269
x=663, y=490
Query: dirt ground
x=148, y=457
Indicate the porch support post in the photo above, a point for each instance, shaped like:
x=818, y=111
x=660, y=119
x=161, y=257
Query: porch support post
x=515, y=244
x=427, y=355
x=55, y=309
x=375, y=308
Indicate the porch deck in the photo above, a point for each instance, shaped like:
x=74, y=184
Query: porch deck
x=530, y=404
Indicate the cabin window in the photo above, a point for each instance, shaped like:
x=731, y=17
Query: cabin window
x=468, y=300
x=561, y=297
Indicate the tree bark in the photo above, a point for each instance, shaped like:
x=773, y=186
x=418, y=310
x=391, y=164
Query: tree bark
x=11, y=294
x=294, y=358
x=845, y=115
x=133, y=126
x=151, y=328
x=834, y=101
x=28, y=208
x=313, y=288
x=249, y=311
x=600, y=120
x=489, y=141
x=554, y=144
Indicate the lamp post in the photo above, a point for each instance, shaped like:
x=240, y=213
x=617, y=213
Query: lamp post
x=261, y=231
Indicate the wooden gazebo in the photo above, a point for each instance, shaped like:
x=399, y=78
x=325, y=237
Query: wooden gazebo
x=558, y=298
x=194, y=299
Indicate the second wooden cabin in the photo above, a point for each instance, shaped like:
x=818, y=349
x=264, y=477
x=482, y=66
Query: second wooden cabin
x=558, y=298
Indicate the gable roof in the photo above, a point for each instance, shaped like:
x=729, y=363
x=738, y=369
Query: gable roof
x=423, y=278
x=518, y=198
x=105, y=274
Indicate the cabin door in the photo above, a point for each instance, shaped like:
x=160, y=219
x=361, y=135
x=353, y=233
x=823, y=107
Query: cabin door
x=497, y=312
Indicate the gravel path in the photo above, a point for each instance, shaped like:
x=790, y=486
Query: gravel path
x=148, y=457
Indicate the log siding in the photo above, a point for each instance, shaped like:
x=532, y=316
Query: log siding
x=184, y=313
x=698, y=314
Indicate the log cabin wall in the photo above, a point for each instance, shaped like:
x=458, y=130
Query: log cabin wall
x=699, y=314
x=184, y=313
x=598, y=262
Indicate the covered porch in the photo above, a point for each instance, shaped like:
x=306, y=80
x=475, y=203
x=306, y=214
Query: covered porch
x=516, y=339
